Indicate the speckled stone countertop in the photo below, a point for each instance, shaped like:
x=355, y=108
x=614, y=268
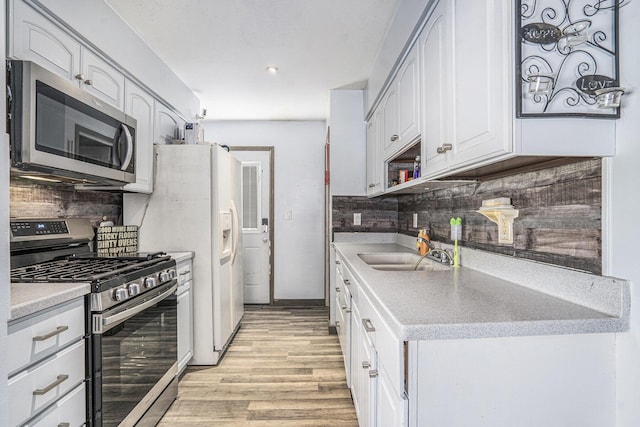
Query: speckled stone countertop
x=466, y=303
x=181, y=256
x=29, y=298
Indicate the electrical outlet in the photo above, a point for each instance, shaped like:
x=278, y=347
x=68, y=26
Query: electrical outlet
x=505, y=230
x=415, y=220
x=357, y=219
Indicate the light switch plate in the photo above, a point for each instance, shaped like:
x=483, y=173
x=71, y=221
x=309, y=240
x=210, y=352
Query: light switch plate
x=357, y=219
x=415, y=220
x=288, y=215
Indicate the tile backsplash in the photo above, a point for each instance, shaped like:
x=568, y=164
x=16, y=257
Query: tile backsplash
x=27, y=200
x=559, y=222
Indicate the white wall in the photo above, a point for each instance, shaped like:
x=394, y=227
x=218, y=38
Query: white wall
x=622, y=235
x=298, y=187
x=4, y=239
x=348, y=143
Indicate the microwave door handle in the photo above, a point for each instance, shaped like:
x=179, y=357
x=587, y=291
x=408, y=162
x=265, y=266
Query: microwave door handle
x=129, y=155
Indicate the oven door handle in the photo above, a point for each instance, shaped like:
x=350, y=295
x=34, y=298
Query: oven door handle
x=102, y=324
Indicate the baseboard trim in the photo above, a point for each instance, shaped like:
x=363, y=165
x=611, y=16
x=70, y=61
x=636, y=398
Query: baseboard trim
x=299, y=302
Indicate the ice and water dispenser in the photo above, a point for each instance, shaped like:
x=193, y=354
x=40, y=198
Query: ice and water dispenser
x=226, y=234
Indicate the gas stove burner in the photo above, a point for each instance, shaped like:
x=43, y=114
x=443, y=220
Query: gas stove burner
x=82, y=269
x=135, y=256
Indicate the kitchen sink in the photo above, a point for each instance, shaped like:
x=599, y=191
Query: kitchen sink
x=400, y=261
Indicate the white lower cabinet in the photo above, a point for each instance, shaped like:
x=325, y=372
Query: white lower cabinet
x=185, y=313
x=47, y=367
x=548, y=380
x=343, y=319
x=68, y=411
x=531, y=381
x=377, y=385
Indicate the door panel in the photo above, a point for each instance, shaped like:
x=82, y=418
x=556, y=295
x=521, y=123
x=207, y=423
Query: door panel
x=256, y=224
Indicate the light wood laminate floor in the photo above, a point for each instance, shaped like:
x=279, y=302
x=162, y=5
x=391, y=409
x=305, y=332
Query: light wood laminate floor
x=282, y=369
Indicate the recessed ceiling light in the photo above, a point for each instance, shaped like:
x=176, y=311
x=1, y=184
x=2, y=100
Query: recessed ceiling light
x=272, y=69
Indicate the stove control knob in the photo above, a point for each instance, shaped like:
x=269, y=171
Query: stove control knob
x=149, y=282
x=163, y=276
x=120, y=294
x=172, y=274
x=134, y=289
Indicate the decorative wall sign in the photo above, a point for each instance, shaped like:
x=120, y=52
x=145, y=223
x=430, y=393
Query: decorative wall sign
x=567, y=58
x=116, y=240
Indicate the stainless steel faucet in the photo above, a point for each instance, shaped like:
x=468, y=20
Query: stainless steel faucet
x=440, y=255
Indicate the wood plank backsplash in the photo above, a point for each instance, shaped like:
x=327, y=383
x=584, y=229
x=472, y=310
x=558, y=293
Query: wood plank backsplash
x=560, y=218
x=27, y=200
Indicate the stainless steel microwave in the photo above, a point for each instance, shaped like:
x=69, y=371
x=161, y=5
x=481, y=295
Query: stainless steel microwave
x=59, y=131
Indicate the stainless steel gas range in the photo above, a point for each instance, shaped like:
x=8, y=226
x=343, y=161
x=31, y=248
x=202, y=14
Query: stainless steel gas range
x=131, y=327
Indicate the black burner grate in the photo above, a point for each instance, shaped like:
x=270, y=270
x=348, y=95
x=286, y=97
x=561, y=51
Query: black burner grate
x=79, y=270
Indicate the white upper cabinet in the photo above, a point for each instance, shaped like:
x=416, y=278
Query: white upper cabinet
x=466, y=75
x=34, y=38
x=390, y=138
x=435, y=96
x=481, y=79
x=101, y=79
x=401, y=108
x=408, y=99
x=139, y=105
x=166, y=124
x=374, y=155
x=452, y=98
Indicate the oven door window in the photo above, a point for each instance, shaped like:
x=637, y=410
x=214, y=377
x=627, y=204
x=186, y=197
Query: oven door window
x=69, y=128
x=134, y=356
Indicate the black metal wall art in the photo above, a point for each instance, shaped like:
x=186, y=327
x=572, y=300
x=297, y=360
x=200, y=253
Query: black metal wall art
x=567, y=58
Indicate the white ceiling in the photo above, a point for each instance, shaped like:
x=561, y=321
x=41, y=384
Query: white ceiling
x=220, y=48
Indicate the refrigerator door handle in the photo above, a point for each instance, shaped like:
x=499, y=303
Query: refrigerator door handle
x=235, y=230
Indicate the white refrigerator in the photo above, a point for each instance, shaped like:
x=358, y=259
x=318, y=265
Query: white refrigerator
x=196, y=206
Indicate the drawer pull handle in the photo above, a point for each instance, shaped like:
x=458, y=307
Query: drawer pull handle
x=184, y=273
x=348, y=310
x=347, y=282
x=47, y=389
x=64, y=425
x=337, y=289
x=373, y=373
x=368, y=326
x=394, y=138
x=338, y=262
x=366, y=365
x=58, y=331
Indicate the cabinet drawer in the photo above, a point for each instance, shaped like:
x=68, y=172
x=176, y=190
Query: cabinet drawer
x=185, y=272
x=349, y=282
x=339, y=264
x=388, y=346
x=34, y=389
x=70, y=410
x=35, y=338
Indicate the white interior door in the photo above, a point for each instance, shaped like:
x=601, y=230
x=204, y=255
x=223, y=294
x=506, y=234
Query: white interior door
x=256, y=225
